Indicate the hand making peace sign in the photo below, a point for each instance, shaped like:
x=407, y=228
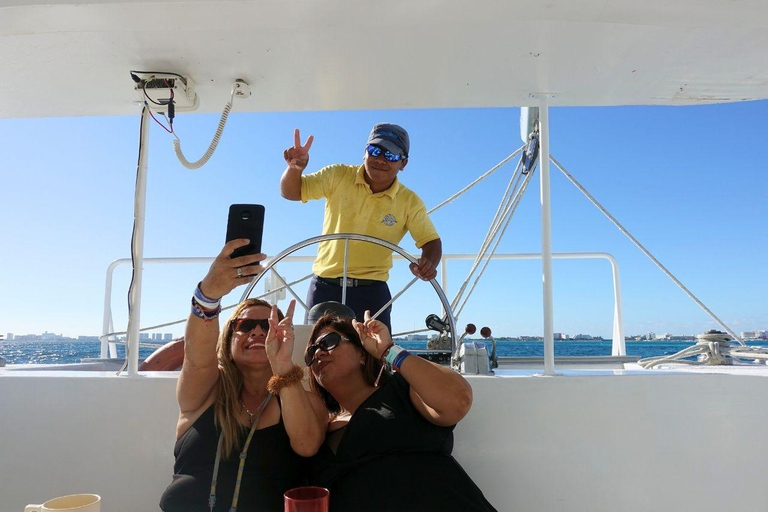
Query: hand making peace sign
x=297, y=157
x=279, y=342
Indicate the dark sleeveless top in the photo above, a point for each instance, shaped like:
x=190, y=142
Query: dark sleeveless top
x=391, y=459
x=271, y=468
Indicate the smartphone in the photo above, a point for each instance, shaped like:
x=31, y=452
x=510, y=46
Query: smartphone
x=246, y=221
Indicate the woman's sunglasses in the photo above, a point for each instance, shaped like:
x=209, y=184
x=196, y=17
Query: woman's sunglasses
x=243, y=325
x=375, y=150
x=328, y=342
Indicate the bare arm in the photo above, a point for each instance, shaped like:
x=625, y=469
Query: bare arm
x=441, y=395
x=305, y=418
x=297, y=158
x=426, y=267
x=199, y=373
x=304, y=415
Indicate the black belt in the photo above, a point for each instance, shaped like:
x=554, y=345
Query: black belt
x=351, y=281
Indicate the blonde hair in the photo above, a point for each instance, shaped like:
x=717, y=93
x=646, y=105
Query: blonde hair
x=228, y=402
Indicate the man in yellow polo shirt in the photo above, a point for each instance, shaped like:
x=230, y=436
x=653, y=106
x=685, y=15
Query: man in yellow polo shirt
x=367, y=199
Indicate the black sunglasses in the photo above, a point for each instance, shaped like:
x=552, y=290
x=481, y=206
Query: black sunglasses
x=375, y=151
x=328, y=342
x=243, y=325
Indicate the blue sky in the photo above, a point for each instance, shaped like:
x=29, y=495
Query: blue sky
x=689, y=182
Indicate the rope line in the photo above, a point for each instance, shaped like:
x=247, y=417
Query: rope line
x=478, y=180
x=646, y=251
x=711, y=349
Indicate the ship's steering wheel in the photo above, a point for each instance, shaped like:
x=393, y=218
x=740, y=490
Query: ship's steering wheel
x=448, y=318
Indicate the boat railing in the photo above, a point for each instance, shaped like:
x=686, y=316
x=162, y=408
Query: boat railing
x=618, y=348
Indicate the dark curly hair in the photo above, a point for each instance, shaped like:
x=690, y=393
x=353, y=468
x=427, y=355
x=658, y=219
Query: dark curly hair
x=370, y=370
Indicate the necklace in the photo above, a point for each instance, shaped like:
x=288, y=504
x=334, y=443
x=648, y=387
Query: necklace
x=250, y=414
x=243, y=455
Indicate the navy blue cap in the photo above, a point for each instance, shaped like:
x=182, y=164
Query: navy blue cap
x=392, y=137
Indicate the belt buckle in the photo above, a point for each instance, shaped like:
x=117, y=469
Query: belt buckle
x=351, y=281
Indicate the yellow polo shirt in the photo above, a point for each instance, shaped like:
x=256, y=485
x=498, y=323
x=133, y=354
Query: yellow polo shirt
x=351, y=207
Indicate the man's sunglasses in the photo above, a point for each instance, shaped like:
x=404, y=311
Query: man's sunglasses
x=243, y=325
x=375, y=150
x=328, y=342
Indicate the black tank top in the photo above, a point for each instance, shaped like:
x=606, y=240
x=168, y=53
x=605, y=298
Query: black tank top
x=391, y=458
x=271, y=468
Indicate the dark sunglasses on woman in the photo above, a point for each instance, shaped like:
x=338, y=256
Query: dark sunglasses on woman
x=244, y=325
x=328, y=342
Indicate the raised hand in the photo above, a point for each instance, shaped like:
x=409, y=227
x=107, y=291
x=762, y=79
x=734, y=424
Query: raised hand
x=297, y=157
x=279, y=342
x=223, y=276
x=373, y=334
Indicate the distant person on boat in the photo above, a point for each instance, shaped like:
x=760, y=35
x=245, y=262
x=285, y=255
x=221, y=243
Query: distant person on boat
x=366, y=199
x=390, y=436
x=246, y=423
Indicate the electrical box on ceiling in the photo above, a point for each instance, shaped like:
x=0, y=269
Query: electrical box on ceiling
x=159, y=89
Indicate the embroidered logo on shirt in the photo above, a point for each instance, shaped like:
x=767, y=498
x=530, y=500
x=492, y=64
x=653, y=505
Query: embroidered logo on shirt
x=389, y=220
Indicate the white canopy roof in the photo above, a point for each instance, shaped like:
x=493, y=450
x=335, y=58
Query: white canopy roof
x=62, y=58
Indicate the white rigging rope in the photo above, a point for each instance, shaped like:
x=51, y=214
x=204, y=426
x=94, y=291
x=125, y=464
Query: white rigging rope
x=507, y=207
x=504, y=209
x=499, y=216
x=711, y=349
x=511, y=211
x=478, y=180
x=646, y=251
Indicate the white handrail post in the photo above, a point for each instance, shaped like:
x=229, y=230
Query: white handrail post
x=619, y=345
x=132, y=344
x=546, y=237
x=106, y=322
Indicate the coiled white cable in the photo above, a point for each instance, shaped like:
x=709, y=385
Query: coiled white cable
x=214, y=143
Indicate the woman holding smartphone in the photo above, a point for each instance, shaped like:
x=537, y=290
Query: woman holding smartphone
x=246, y=423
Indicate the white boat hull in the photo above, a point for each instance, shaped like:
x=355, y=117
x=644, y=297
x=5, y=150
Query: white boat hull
x=585, y=441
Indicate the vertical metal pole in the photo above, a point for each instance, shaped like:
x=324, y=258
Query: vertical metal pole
x=546, y=238
x=132, y=345
x=107, y=317
x=444, y=281
x=618, y=346
x=346, y=267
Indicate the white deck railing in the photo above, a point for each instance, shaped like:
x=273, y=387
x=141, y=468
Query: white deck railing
x=618, y=348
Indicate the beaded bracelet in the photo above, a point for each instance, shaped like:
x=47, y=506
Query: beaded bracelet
x=278, y=382
x=205, y=302
x=205, y=314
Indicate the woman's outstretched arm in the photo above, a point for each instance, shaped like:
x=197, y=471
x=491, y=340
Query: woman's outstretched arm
x=441, y=395
x=199, y=373
x=304, y=414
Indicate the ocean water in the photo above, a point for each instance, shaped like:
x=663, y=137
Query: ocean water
x=57, y=352
x=53, y=352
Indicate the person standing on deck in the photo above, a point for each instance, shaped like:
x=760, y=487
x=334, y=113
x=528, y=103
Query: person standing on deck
x=367, y=199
